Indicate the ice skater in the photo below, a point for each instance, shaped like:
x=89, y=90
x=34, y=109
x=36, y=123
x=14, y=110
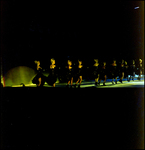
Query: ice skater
x=52, y=77
x=126, y=71
x=113, y=71
x=79, y=74
x=140, y=69
x=96, y=71
x=69, y=73
x=121, y=71
x=103, y=74
x=39, y=79
x=132, y=70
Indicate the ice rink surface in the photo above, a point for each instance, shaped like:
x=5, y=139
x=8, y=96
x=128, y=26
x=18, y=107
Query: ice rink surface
x=87, y=84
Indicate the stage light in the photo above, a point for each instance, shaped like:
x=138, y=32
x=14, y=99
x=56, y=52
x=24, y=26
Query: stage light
x=18, y=75
x=136, y=7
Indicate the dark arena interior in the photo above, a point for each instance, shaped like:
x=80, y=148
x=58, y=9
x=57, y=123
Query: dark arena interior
x=56, y=89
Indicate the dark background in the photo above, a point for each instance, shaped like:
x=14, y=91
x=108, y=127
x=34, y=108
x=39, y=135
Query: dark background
x=32, y=117
x=38, y=30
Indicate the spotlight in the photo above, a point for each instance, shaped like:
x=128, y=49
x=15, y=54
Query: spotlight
x=136, y=7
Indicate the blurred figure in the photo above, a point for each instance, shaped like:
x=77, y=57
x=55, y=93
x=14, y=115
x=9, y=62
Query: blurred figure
x=96, y=71
x=132, y=70
x=103, y=74
x=61, y=71
x=121, y=71
x=39, y=79
x=113, y=71
x=140, y=69
x=79, y=73
x=51, y=79
x=69, y=73
x=126, y=71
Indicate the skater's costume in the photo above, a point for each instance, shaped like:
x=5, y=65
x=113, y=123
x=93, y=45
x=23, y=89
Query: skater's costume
x=126, y=71
x=103, y=72
x=96, y=72
x=52, y=77
x=69, y=74
x=113, y=71
x=39, y=75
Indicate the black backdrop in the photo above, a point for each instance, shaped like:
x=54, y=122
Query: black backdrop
x=38, y=30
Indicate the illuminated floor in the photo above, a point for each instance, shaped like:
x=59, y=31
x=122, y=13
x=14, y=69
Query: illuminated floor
x=125, y=84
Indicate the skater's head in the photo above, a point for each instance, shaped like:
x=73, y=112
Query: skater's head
x=52, y=60
x=69, y=62
x=80, y=62
x=140, y=60
x=37, y=62
x=104, y=63
x=125, y=63
x=114, y=61
x=122, y=61
x=133, y=62
x=96, y=60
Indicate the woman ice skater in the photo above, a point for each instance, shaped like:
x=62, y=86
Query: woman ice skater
x=103, y=74
x=52, y=77
x=79, y=73
x=39, y=79
x=69, y=73
x=113, y=71
x=96, y=73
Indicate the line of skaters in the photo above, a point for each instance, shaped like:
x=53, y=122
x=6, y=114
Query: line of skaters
x=98, y=71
